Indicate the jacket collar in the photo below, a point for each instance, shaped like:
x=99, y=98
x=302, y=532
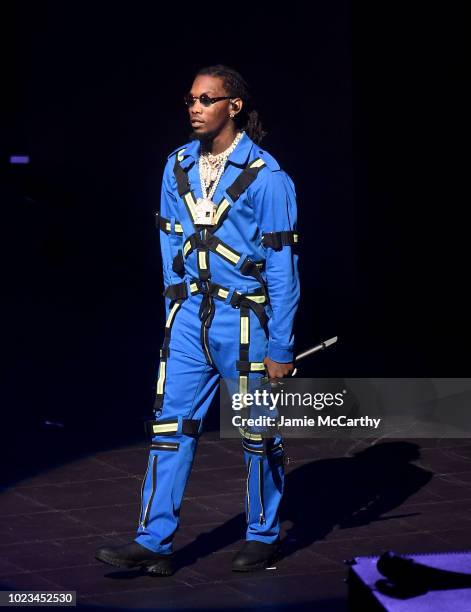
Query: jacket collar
x=238, y=157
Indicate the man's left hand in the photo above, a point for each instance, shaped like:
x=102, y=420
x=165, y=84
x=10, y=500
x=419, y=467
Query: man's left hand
x=276, y=369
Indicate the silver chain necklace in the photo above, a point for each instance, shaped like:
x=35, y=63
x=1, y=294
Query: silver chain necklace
x=211, y=168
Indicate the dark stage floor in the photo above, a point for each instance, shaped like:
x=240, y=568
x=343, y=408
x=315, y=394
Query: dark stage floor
x=341, y=501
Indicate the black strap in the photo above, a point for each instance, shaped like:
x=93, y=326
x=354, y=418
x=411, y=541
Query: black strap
x=161, y=223
x=243, y=365
x=178, y=291
x=257, y=449
x=165, y=353
x=241, y=301
x=243, y=181
x=165, y=446
x=249, y=268
x=207, y=309
x=244, y=347
x=178, y=265
x=190, y=427
x=183, y=184
x=211, y=242
x=277, y=240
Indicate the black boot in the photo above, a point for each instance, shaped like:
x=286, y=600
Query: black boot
x=255, y=555
x=134, y=555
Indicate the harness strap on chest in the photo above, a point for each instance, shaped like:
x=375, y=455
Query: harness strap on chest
x=181, y=176
x=245, y=179
x=211, y=242
x=221, y=248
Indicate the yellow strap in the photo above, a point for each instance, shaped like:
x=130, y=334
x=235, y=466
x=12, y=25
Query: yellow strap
x=253, y=450
x=250, y=436
x=165, y=427
x=202, y=260
x=186, y=247
x=257, y=163
x=161, y=380
x=178, y=228
x=171, y=314
x=190, y=200
x=227, y=253
x=223, y=206
x=256, y=366
x=244, y=329
x=256, y=298
x=243, y=384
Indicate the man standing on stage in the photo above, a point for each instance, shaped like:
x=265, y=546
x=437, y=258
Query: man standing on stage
x=230, y=268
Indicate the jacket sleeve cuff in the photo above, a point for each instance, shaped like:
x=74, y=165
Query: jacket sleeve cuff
x=279, y=353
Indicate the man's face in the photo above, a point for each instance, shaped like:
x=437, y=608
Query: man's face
x=208, y=121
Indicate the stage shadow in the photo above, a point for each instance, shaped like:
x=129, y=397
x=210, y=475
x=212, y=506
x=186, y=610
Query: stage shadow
x=345, y=492
x=350, y=492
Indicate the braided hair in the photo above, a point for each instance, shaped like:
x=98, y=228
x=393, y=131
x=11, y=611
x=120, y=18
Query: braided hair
x=248, y=118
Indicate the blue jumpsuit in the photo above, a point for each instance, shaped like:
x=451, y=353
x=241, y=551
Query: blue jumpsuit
x=231, y=294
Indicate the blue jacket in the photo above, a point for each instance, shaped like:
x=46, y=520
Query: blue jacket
x=268, y=205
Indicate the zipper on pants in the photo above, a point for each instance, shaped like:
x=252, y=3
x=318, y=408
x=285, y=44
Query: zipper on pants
x=154, y=485
x=247, y=489
x=260, y=491
x=142, y=491
x=205, y=345
x=206, y=314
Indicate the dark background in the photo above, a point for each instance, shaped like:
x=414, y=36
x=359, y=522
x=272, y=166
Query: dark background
x=363, y=111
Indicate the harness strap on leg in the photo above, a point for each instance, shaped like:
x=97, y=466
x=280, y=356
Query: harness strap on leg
x=244, y=343
x=164, y=353
x=171, y=427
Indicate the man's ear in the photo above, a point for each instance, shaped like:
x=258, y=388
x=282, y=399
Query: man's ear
x=237, y=104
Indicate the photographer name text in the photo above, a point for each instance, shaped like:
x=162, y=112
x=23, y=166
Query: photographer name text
x=318, y=421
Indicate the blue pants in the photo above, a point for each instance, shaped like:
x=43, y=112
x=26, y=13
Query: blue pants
x=190, y=383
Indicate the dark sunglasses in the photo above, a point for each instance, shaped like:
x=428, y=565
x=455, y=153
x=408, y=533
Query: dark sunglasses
x=204, y=99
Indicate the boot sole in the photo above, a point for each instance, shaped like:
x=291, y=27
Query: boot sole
x=258, y=566
x=159, y=570
x=117, y=562
x=152, y=567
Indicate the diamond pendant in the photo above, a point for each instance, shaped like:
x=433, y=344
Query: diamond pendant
x=205, y=212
